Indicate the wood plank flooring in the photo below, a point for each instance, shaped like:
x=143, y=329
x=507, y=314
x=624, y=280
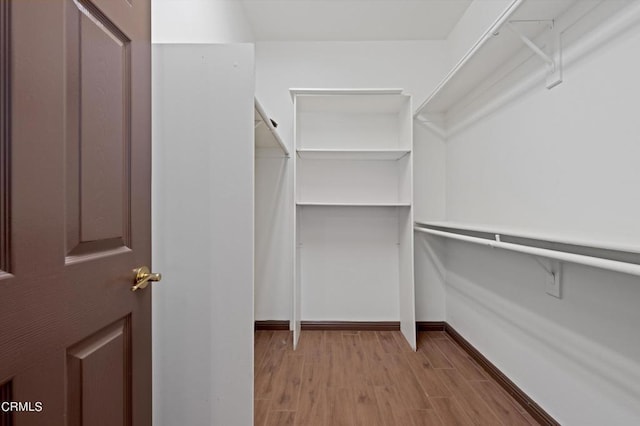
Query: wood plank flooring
x=372, y=378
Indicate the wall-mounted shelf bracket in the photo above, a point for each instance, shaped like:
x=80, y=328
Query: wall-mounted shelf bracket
x=551, y=53
x=553, y=283
x=553, y=268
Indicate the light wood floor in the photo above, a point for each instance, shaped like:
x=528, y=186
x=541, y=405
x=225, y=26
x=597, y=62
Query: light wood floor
x=373, y=378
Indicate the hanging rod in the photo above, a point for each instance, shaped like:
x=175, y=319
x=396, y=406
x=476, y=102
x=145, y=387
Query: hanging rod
x=597, y=262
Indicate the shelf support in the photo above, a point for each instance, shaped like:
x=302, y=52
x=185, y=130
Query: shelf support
x=553, y=268
x=553, y=54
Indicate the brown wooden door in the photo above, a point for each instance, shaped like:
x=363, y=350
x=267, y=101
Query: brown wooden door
x=75, y=211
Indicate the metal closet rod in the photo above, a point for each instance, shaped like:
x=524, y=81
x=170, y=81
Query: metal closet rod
x=597, y=262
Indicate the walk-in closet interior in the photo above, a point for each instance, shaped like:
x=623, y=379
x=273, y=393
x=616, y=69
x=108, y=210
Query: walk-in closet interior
x=470, y=166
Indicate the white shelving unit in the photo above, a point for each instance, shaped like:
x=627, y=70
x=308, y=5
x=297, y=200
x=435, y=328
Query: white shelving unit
x=528, y=45
x=353, y=185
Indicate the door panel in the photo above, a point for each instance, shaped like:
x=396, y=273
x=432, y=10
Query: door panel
x=98, y=378
x=104, y=79
x=98, y=114
x=75, y=211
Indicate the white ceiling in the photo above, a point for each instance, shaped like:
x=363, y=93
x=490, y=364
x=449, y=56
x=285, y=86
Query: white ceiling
x=353, y=20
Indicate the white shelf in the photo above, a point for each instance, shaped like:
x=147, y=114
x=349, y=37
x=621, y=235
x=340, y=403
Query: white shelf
x=266, y=135
x=371, y=103
x=520, y=233
x=374, y=121
x=500, y=64
x=338, y=180
x=374, y=204
x=352, y=154
x=390, y=91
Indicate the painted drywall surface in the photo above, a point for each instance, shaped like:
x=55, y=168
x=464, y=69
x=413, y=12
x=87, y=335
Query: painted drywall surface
x=414, y=66
x=199, y=21
x=430, y=278
x=480, y=15
x=561, y=162
x=429, y=179
x=203, y=234
x=429, y=174
x=273, y=245
x=565, y=354
x=335, y=243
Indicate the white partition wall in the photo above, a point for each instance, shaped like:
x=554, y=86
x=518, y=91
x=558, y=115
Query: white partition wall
x=353, y=209
x=203, y=231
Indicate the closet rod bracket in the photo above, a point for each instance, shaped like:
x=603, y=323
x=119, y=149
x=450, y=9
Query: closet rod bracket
x=553, y=280
x=553, y=269
x=551, y=52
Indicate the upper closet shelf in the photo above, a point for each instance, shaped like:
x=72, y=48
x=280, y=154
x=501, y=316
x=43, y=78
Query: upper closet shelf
x=590, y=254
x=527, y=45
x=294, y=92
x=266, y=135
x=349, y=101
x=520, y=233
x=352, y=154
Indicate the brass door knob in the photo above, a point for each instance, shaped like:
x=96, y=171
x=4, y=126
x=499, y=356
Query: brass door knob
x=142, y=277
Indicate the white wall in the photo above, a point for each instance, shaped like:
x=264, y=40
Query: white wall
x=429, y=179
x=429, y=174
x=273, y=238
x=561, y=162
x=203, y=222
x=199, y=21
x=414, y=66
